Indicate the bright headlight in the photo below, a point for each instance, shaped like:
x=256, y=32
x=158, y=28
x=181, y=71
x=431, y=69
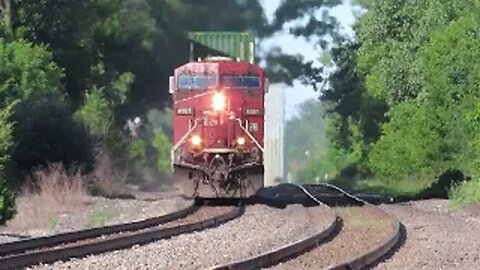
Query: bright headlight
x=219, y=102
x=241, y=141
x=196, y=140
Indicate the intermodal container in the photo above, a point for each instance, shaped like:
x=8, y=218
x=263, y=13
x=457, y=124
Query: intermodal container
x=237, y=45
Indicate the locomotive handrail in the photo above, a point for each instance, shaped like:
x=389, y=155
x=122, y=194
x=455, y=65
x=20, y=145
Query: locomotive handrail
x=249, y=134
x=182, y=140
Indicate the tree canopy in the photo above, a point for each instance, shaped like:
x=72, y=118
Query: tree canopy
x=74, y=72
x=402, y=102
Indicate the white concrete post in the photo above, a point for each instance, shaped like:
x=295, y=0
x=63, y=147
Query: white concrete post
x=274, y=135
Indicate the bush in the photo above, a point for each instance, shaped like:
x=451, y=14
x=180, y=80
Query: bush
x=465, y=192
x=27, y=70
x=7, y=200
x=47, y=133
x=138, y=152
x=44, y=130
x=162, y=145
x=96, y=114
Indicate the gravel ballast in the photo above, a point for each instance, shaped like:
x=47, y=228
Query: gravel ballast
x=259, y=230
x=437, y=238
x=203, y=213
x=7, y=239
x=364, y=228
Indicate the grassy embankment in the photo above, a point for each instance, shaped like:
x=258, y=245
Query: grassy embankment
x=450, y=185
x=466, y=193
x=397, y=189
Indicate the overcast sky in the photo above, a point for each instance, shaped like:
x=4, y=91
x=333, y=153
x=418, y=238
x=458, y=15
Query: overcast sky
x=298, y=93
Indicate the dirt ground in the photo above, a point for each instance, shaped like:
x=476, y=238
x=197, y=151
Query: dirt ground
x=34, y=220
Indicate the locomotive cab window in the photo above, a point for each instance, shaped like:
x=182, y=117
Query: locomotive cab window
x=244, y=82
x=192, y=82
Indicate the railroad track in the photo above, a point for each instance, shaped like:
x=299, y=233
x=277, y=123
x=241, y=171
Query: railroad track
x=65, y=246
x=328, y=249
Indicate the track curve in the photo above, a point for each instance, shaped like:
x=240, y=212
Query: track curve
x=121, y=241
x=304, y=246
x=284, y=252
x=376, y=253
x=69, y=237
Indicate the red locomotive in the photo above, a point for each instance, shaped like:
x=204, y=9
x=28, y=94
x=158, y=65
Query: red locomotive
x=218, y=107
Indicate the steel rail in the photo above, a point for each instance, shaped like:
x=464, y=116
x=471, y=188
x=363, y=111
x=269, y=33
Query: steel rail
x=62, y=238
x=287, y=251
x=376, y=253
x=121, y=242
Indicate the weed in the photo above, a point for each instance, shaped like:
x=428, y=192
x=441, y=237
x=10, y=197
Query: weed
x=100, y=217
x=53, y=223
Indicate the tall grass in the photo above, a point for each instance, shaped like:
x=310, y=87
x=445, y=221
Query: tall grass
x=52, y=191
x=465, y=193
x=106, y=180
x=65, y=189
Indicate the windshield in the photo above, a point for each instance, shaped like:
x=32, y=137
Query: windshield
x=241, y=81
x=196, y=82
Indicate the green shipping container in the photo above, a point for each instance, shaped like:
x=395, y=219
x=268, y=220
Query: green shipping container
x=237, y=45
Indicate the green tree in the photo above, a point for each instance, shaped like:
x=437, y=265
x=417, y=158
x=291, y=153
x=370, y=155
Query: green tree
x=138, y=152
x=391, y=35
x=162, y=145
x=7, y=200
x=304, y=137
x=44, y=130
x=27, y=70
x=96, y=113
x=428, y=133
x=86, y=36
x=404, y=94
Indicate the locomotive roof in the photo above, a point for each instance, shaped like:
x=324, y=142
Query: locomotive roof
x=219, y=65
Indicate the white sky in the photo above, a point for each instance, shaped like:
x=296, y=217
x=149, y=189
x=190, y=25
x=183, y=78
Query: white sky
x=289, y=44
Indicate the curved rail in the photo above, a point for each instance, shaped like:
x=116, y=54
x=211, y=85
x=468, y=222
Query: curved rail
x=286, y=251
x=62, y=238
x=121, y=242
x=374, y=254
x=290, y=250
